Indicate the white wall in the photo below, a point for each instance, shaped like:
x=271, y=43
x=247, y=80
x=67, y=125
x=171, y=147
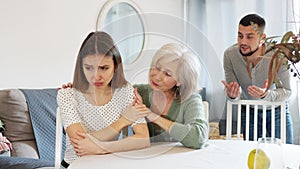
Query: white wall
x=40, y=39
x=163, y=24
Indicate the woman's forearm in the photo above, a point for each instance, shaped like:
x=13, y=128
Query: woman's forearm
x=110, y=132
x=191, y=135
x=163, y=123
x=126, y=144
x=137, y=141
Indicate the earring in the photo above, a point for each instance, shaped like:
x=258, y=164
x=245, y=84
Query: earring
x=177, y=92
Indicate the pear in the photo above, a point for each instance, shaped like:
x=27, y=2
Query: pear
x=262, y=160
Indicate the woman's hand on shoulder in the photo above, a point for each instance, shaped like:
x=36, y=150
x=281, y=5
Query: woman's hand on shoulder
x=64, y=86
x=136, y=110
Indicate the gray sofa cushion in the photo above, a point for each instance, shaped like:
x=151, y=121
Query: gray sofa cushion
x=25, y=149
x=14, y=113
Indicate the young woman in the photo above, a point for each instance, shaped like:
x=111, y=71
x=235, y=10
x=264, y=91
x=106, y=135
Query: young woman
x=91, y=110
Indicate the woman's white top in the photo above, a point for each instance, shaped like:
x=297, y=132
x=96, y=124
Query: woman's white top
x=75, y=108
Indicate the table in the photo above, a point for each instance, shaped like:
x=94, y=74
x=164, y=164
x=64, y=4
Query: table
x=218, y=154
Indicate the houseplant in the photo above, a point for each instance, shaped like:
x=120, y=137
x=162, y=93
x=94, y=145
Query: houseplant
x=287, y=53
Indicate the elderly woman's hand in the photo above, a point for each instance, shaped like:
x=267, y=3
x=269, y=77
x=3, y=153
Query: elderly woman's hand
x=137, y=110
x=134, y=113
x=64, y=86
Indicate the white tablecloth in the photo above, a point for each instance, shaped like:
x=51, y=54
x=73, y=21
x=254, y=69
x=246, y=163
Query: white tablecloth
x=218, y=154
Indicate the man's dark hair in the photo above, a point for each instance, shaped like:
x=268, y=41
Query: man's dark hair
x=254, y=19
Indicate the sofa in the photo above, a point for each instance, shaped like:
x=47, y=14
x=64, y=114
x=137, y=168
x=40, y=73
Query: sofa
x=28, y=149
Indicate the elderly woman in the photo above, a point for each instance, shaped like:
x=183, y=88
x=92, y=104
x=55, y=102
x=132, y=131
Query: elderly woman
x=175, y=109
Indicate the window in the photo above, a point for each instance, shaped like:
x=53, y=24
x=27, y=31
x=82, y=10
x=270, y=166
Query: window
x=293, y=14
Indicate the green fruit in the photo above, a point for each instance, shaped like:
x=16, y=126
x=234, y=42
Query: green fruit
x=262, y=160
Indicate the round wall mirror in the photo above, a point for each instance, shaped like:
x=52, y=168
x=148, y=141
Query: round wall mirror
x=122, y=21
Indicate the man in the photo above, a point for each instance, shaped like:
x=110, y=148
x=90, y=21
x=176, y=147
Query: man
x=244, y=67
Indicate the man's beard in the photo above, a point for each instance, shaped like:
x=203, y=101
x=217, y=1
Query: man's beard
x=250, y=53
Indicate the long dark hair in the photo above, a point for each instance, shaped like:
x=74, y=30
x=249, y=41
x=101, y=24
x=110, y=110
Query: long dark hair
x=98, y=43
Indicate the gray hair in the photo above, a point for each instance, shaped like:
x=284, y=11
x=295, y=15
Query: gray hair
x=188, y=71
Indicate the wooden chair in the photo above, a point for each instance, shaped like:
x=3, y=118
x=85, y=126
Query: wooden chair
x=255, y=104
x=206, y=109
